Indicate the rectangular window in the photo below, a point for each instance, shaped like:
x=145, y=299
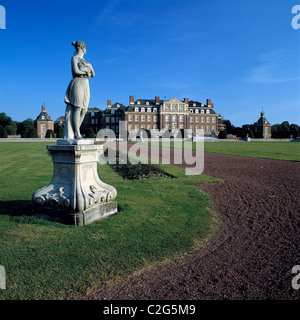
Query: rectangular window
x=191, y=119
x=143, y=118
x=167, y=118
x=136, y=118
x=181, y=119
x=149, y=118
x=207, y=119
x=107, y=119
x=197, y=119
x=155, y=118
x=174, y=118
x=130, y=118
x=202, y=119
x=112, y=119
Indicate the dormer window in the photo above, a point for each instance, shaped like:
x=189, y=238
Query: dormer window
x=136, y=109
x=155, y=110
x=142, y=109
x=139, y=102
x=43, y=117
x=202, y=111
x=207, y=112
x=148, y=109
x=118, y=106
x=197, y=111
x=191, y=110
x=112, y=111
x=194, y=104
x=147, y=103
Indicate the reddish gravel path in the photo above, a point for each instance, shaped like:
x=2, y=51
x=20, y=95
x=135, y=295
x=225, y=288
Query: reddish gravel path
x=252, y=253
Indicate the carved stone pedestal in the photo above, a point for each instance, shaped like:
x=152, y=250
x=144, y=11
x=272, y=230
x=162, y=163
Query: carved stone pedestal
x=76, y=194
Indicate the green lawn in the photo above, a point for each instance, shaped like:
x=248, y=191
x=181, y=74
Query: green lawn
x=259, y=149
x=159, y=219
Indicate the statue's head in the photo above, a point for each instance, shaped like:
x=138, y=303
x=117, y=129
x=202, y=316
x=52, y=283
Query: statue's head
x=79, y=45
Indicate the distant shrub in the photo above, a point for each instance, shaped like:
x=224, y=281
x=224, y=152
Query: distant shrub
x=89, y=133
x=60, y=132
x=49, y=134
x=222, y=135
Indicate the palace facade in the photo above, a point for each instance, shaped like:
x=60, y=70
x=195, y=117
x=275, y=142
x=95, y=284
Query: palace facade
x=155, y=114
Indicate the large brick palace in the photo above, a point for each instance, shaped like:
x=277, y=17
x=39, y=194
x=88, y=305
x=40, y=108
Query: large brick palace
x=157, y=114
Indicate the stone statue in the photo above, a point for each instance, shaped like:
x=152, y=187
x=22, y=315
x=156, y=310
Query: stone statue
x=78, y=92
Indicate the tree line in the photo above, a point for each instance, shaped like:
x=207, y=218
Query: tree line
x=25, y=129
x=279, y=131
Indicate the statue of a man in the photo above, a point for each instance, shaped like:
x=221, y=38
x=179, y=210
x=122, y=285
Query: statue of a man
x=78, y=93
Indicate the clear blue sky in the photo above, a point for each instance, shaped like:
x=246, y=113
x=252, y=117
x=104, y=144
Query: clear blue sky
x=244, y=55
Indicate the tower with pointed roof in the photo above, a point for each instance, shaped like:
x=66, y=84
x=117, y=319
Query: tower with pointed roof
x=262, y=128
x=43, y=123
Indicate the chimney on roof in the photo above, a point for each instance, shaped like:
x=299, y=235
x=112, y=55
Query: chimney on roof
x=108, y=103
x=131, y=99
x=157, y=100
x=186, y=100
x=43, y=108
x=208, y=102
x=212, y=105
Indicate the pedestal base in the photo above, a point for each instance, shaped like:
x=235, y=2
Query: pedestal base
x=96, y=213
x=76, y=194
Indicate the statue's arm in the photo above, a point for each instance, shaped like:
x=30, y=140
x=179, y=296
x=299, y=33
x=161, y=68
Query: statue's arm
x=75, y=67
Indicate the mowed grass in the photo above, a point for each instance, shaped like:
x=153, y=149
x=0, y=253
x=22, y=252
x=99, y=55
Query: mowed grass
x=281, y=150
x=159, y=220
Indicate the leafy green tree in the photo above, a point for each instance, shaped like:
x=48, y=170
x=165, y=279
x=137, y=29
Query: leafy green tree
x=222, y=134
x=229, y=126
x=32, y=133
x=294, y=130
x=11, y=129
x=3, y=133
